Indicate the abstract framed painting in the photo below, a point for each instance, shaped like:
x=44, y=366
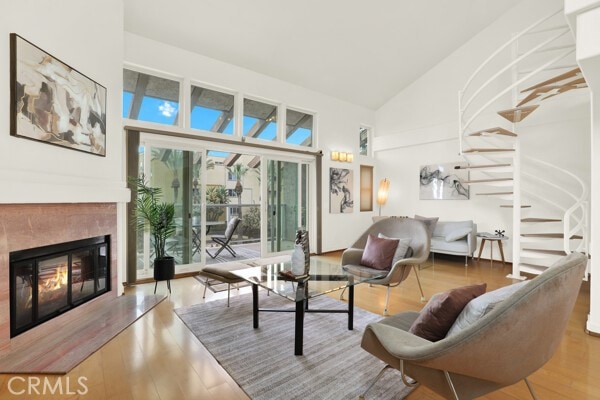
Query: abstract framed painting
x=53, y=103
x=341, y=191
x=444, y=182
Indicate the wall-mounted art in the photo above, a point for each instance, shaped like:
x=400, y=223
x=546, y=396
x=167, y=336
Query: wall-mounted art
x=54, y=103
x=444, y=182
x=341, y=191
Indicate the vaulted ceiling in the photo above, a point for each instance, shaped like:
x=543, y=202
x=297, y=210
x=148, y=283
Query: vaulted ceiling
x=360, y=51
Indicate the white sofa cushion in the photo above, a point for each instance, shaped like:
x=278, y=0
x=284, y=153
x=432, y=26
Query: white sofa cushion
x=442, y=228
x=457, y=246
x=458, y=233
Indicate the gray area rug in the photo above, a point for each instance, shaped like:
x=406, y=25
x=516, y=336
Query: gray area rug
x=262, y=361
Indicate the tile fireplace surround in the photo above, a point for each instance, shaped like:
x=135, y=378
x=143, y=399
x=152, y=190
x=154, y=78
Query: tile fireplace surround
x=24, y=226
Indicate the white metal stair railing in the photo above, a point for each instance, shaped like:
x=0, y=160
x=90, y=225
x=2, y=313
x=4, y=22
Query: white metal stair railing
x=577, y=212
x=495, y=155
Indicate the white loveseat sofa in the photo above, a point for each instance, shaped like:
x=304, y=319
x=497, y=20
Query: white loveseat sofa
x=457, y=238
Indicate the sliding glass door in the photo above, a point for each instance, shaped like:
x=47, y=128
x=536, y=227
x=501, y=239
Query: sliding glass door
x=286, y=191
x=209, y=186
x=177, y=172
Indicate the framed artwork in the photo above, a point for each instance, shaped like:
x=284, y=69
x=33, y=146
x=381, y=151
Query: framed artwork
x=53, y=103
x=341, y=191
x=444, y=182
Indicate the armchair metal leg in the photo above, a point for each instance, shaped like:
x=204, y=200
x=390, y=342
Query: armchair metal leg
x=466, y=261
x=379, y=375
x=387, y=300
x=530, y=389
x=228, y=293
x=205, y=286
x=342, y=294
x=452, y=389
x=419, y=282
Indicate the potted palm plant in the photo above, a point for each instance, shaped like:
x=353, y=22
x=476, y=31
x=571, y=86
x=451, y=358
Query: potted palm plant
x=158, y=217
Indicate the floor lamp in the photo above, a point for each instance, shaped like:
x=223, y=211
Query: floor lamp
x=382, y=193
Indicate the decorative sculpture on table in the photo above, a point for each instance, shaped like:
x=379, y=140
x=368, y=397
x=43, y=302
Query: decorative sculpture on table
x=500, y=232
x=301, y=255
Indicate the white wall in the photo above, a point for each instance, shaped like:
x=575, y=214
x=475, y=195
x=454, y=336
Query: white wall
x=419, y=126
x=89, y=40
x=584, y=17
x=337, y=122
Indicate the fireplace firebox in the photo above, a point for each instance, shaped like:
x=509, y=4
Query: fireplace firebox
x=47, y=281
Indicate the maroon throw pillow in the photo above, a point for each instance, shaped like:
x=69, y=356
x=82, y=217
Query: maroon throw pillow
x=379, y=252
x=437, y=317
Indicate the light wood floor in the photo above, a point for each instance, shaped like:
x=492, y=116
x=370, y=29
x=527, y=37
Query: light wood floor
x=158, y=358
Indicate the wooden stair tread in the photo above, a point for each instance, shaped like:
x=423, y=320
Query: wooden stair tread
x=550, y=235
x=481, y=166
x=576, y=72
x=540, y=220
x=517, y=114
x=487, y=150
x=494, y=194
x=493, y=131
x=546, y=92
x=551, y=252
x=511, y=206
x=532, y=268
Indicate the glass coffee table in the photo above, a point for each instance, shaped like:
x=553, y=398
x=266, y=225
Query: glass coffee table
x=325, y=277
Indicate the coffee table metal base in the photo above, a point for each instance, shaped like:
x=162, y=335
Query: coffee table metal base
x=300, y=310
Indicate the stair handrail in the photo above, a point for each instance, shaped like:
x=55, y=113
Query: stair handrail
x=530, y=29
x=512, y=86
x=580, y=203
x=510, y=42
x=515, y=62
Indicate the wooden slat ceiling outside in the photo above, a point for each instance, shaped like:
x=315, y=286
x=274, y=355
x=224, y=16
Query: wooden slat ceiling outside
x=159, y=88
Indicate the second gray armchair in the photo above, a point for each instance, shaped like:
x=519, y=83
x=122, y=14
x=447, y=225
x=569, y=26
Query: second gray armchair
x=393, y=228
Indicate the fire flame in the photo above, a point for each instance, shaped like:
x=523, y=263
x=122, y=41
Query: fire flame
x=57, y=281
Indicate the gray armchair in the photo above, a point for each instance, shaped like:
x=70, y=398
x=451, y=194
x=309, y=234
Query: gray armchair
x=505, y=346
x=395, y=228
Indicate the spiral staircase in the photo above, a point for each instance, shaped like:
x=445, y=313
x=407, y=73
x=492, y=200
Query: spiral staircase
x=550, y=216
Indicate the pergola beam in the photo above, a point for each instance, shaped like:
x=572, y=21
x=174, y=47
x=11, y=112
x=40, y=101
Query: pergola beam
x=293, y=128
x=261, y=124
x=138, y=95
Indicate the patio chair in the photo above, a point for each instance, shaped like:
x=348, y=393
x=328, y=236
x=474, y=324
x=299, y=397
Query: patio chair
x=223, y=240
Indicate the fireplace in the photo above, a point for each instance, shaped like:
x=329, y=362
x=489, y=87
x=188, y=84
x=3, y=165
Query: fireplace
x=48, y=281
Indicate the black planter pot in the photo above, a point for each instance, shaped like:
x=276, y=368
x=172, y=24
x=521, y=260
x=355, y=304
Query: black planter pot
x=164, y=270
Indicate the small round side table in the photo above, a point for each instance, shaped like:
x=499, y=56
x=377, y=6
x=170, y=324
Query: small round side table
x=492, y=238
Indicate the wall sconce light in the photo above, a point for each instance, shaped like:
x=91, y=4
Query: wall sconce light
x=383, y=192
x=342, y=156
